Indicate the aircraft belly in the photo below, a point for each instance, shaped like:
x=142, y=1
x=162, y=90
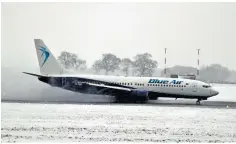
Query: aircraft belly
x=176, y=93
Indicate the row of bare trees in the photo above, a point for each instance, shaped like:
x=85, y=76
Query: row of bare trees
x=141, y=65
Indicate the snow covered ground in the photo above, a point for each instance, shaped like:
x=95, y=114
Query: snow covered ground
x=75, y=122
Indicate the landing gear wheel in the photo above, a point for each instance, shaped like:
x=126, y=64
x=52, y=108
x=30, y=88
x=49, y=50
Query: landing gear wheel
x=198, y=102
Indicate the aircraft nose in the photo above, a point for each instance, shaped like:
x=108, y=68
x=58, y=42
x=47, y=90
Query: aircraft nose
x=214, y=92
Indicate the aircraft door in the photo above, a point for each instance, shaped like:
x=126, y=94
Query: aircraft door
x=63, y=82
x=194, y=87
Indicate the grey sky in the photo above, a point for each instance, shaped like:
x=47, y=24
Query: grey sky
x=125, y=29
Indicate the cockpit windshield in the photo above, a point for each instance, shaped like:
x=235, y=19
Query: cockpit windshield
x=206, y=86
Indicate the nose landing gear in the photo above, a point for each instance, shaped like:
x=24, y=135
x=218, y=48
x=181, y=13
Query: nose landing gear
x=200, y=99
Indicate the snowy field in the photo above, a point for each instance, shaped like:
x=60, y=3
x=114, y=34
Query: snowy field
x=81, y=122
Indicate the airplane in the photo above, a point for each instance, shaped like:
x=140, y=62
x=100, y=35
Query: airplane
x=124, y=89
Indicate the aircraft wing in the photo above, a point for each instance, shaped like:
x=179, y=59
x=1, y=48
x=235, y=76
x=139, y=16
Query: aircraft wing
x=110, y=87
x=99, y=88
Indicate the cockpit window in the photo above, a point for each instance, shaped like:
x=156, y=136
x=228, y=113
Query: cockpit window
x=206, y=86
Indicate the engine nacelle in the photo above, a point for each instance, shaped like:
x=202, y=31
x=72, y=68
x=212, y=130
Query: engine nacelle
x=139, y=95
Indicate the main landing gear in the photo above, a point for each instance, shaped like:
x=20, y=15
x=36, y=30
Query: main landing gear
x=198, y=102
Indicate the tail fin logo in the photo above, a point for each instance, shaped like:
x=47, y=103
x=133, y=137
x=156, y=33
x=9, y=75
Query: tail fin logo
x=45, y=53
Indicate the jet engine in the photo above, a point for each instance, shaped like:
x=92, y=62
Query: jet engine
x=139, y=95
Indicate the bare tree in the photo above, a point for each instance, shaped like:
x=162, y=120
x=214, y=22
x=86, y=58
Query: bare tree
x=144, y=65
x=97, y=66
x=71, y=61
x=126, y=63
x=109, y=63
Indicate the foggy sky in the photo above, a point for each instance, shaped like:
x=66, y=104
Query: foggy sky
x=125, y=29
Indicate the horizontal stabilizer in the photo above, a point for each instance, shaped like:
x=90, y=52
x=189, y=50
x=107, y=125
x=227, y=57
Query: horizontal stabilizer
x=32, y=74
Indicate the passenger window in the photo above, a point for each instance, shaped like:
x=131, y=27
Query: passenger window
x=206, y=86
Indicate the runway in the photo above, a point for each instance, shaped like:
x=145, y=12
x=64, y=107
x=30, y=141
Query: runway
x=165, y=102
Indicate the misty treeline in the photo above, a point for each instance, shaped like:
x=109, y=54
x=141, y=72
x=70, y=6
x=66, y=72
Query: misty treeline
x=144, y=65
x=214, y=73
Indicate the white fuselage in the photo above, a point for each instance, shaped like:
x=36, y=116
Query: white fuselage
x=186, y=87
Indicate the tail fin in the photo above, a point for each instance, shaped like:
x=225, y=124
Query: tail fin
x=47, y=62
